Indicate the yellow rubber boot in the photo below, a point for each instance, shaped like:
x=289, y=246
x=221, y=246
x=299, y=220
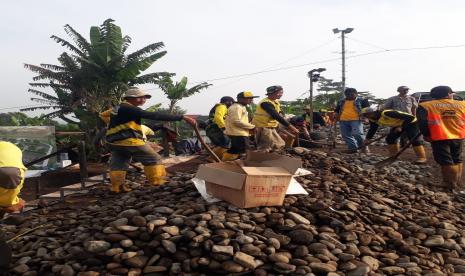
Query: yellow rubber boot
x=393, y=149
x=219, y=151
x=421, y=154
x=117, y=179
x=289, y=140
x=460, y=174
x=230, y=156
x=450, y=176
x=155, y=174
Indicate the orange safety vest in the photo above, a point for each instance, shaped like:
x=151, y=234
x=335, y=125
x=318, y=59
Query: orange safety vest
x=446, y=119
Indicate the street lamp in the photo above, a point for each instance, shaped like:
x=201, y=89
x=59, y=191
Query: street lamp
x=343, y=32
x=314, y=76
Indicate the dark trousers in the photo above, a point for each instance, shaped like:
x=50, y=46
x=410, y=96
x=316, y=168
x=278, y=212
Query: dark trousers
x=411, y=130
x=239, y=144
x=216, y=136
x=447, y=152
x=121, y=156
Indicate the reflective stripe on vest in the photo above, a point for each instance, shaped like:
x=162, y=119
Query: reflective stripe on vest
x=261, y=118
x=391, y=122
x=446, y=119
x=128, y=134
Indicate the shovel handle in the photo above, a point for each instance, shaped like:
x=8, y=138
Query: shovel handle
x=374, y=140
x=394, y=157
x=406, y=146
x=197, y=132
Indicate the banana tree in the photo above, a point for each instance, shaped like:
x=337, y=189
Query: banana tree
x=176, y=91
x=92, y=75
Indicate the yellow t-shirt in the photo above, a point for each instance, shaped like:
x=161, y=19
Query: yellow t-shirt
x=349, y=112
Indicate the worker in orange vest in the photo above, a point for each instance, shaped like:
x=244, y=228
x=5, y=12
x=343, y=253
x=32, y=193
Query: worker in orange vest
x=442, y=123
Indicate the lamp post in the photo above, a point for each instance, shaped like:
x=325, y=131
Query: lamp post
x=313, y=75
x=343, y=32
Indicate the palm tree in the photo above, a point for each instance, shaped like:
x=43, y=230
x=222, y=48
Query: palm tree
x=175, y=92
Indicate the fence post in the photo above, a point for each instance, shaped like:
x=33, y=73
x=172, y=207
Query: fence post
x=82, y=163
x=166, y=144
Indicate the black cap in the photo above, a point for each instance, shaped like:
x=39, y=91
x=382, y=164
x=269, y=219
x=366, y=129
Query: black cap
x=273, y=89
x=226, y=99
x=440, y=92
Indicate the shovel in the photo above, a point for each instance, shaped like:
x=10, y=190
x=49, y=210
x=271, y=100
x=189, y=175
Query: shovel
x=391, y=159
x=197, y=132
x=369, y=143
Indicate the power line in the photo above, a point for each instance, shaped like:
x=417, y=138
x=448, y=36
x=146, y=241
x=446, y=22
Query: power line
x=334, y=59
x=367, y=43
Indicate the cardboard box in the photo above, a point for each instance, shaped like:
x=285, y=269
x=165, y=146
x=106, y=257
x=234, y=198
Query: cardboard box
x=260, y=180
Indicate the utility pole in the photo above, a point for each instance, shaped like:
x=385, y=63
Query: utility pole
x=313, y=75
x=343, y=53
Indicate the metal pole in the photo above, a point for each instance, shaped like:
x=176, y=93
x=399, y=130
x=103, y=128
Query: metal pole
x=311, y=102
x=343, y=61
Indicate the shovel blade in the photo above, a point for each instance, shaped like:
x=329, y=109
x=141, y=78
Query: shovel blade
x=386, y=162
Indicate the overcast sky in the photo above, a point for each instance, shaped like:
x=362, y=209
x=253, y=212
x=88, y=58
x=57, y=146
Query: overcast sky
x=208, y=39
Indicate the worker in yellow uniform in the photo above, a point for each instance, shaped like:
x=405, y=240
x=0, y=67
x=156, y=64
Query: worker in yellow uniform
x=12, y=173
x=267, y=119
x=442, y=123
x=125, y=139
x=238, y=127
x=216, y=126
x=399, y=122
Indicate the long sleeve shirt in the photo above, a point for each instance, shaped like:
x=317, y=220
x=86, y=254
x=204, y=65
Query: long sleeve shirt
x=237, y=121
x=422, y=116
x=220, y=112
x=406, y=118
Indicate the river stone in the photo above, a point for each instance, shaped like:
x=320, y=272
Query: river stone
x=301, y=237
x=228, y=250
x=137, y=261
x=172, y=230
x=20, y=269
x=298, y=218
x=96, y=246
x=244, y=260
x=232, y=267
x=322, y=267
x=154, y=269
x=360, y=270
x=435, y=240
x=169, y=246
x=284, y=267
x=129, y=213
x=371, y=262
